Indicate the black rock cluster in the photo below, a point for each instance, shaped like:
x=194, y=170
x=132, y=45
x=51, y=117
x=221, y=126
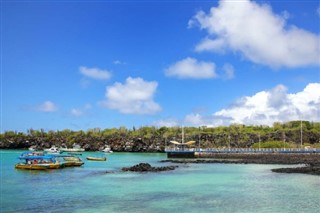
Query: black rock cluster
x=146, y=167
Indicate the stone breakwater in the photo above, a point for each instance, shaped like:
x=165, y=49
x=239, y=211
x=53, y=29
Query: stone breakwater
x=263, y=158
x=312, y=160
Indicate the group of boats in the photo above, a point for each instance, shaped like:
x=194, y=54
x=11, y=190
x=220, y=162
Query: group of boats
x=54, y=158
x=56, y=150
x=43, y=161
x=76, y=148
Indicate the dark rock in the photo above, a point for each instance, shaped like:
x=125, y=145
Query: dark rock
x=304, y=170
x=145, y=167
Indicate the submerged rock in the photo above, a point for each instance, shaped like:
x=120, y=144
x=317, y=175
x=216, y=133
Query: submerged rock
x=145, y=167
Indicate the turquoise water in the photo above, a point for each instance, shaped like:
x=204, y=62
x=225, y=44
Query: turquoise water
x=189, y=188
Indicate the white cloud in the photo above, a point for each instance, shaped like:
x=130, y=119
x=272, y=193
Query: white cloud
x=95, y=73
x=167, y=123
x=118, y=62
x=210, y=45
x=266, y=107
x=78, y=112
x=191, y=68
x=228, y=71
x=46, y=106
x=257, y=33
x=196, y=119
x=135, y=96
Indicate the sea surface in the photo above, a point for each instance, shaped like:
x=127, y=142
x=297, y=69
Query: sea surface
x=103, y=187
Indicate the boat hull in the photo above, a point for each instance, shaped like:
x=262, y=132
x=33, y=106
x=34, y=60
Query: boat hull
x=32, y=166
x=72, y=149
x=72, y=163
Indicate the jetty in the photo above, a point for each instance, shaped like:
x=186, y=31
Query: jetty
x=184, y=152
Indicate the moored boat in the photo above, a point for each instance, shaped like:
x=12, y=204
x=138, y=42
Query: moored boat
x=107, y=149
x=75, y=148
x=70, y=161
x=32, y=148
x=53, y=150
x=38, y=162
x=97, y=158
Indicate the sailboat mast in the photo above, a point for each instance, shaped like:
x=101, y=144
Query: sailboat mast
x=182, y=135
x=300, y=134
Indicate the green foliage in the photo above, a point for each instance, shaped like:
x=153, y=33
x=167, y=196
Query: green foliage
x=271, y=144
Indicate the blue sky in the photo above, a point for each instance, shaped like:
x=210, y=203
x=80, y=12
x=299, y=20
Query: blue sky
x=86, y=64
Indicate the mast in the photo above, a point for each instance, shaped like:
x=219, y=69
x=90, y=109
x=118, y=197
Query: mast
x=300, y=134
x=259, y=141
x=182, y=135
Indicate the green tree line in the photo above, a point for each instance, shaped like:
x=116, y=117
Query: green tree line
x=151, y=138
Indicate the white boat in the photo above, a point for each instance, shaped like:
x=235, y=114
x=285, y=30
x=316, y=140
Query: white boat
x=107, y=149
x=53, y=150
x=76, y=148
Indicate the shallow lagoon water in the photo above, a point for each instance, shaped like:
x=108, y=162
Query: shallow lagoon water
x=189, y=188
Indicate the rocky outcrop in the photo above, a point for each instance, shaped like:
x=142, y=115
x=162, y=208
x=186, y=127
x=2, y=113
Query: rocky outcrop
x=145, y=167
x=312, y=170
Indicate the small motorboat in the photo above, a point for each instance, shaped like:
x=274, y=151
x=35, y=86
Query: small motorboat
x=107, y=149
x=38, y=162
x=53, y=150
x=32, y=148
x=69, y=161
x=75, y=148
x=97, y=158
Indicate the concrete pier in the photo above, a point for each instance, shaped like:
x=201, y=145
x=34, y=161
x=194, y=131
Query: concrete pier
x=210, y=153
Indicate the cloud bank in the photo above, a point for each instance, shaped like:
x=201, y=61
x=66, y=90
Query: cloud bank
x=260, y=35
x=135, y=96
x=266, y=107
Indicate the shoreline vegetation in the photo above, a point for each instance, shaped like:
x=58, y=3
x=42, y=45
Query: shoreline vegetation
x=293, y=134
